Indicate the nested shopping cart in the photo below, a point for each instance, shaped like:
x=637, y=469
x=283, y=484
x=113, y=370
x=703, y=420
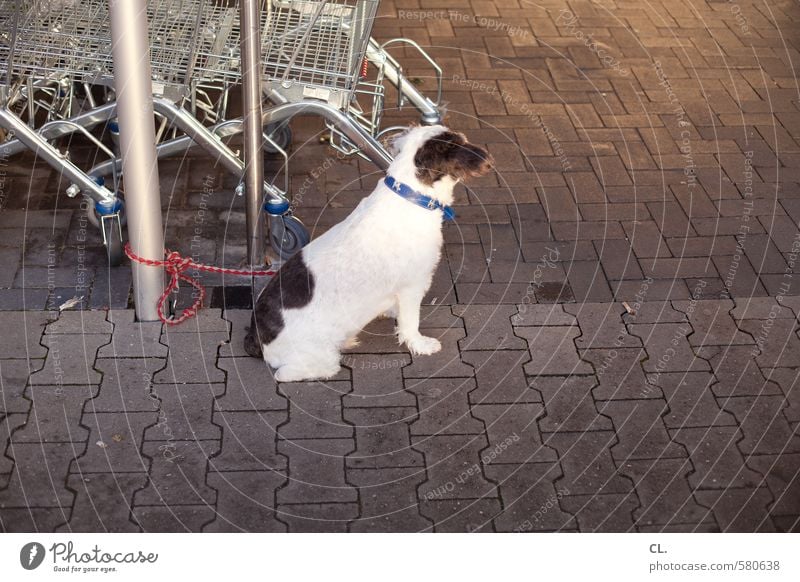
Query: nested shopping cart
x=318, y=58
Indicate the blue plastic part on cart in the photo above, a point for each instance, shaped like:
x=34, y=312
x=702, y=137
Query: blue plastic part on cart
x=108, y=208
x=113, y=127
x=276, y=207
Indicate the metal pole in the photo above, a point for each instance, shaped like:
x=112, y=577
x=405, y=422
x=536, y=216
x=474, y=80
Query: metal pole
x=133, y=85
x=250, y=43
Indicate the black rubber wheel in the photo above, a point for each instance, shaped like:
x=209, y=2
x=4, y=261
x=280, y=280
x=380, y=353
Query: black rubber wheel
x=292, y=236
x=112, y=233
x=281, y=134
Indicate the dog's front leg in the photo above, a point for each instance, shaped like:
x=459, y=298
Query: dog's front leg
x=408, y=304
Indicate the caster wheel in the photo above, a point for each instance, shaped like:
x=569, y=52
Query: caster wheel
x=112, y=237
x=287, y=235
x=94, y=217
x=281, y=134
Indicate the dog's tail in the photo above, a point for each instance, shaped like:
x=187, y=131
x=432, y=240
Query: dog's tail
x=251, y=343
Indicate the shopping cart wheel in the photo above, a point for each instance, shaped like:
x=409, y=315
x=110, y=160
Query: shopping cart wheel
x=287, y=235
x=112, y=238
x=281, y=134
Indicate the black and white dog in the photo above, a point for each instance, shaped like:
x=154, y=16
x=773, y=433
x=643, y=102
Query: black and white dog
x=379, y=260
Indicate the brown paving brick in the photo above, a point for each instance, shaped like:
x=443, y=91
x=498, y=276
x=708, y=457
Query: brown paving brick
x=640, y=430
x=717, y=461
x=777, y=340
x=691, y=401
x=783, y=479
x=245, y=501
x=530, y=497
x=618, y=260
x=631, y=291
x=702, y=246
x=765, y=429
x=712, y=323
x=739, y=510
x=572, y=231
x=553, y=351
x=646, y=239
x=500, y=378
x=789, y=381
x=588, y=282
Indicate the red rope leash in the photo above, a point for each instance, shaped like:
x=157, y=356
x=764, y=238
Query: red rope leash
x=176, y=265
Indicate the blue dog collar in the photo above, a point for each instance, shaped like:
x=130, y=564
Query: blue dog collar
x=418, y=198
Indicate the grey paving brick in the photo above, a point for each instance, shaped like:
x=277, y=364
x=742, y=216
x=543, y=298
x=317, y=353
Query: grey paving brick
x=177, y=478
x=70, y=360
x=602, y=326
x=715, y=457
x=454, y=469
x=39, y=475
x=601, y=513
x=737, y=373
x=668, y=348
x=13, y=379
x=316, y=473
x=239, y=320
x=383, y=438
x=500, y=378
x=739, y=510
x=112, y=288
x=712, y=323
x=32, y=519
x=513, y=434
x=640, y=430
x=133, y=339
x=782, y=474
x=8, y=424
x=460, y=515
x=25, y=333
x=765, y=429
x=114, y=442
x=619, y=373
x=388, y=500
x=315, y=410
x=488, y=327
x=16, y=299
x=127, y=385
x=318, y=517
x=55, y=414
x=249, y=386
x=760, y=308
x=173, y=518
x=530, y=497
x=182, y=362
x=377, y=380
x=569, y=404
x=691, y=401
x=444, y=364
x=246, y=501
x=553, y=351
x=538, y=315
x=789, y=381
x=588, y=282
x=663, y=492
x=443, y=407
x=630, y=291
x=777, y=339
x=249, y=441
x=587, y=464
x=80, y=322
x=188, y=409
x=103, y=502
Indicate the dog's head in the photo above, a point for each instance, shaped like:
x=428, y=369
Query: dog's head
x=437, y=152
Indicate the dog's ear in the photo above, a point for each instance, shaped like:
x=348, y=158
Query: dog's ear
x=449, y=154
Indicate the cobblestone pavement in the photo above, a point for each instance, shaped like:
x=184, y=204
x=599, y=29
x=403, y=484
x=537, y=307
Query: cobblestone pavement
x=617, y=307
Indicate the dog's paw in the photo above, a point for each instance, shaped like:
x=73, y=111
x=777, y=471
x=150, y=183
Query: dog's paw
x=423, y=346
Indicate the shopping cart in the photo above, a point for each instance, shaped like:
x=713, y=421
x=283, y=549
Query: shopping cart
x=315, y=57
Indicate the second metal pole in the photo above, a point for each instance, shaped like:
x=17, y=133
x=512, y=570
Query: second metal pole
x=133, y=84
x=250, y=44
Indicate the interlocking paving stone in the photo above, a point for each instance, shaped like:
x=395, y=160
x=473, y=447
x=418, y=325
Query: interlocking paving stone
x=173, y=518
x=127, y=385
x=460, y=515
x=249, y=386
x=602, y=326
x=663, y=492
x=8, y=424
x=25, y=330
x=70, y=360
x=178, y=477
x=668, y=348
x=315, y=410
x=619, y=373
x=553, y=351
x=103, y=502
x=187, y=409
x=739, y=510
x=377, y=380
x=783, y=479
x=388, y=500
x=500, y=377
x=133, y=339
x=383, y=438
x=444, y=364
x=248, y=441
x=488, y=327
x=513, y=434
x=538, y=315
x=760, y=308
x=80, y=322
x=640, y=430
x=13, y=379
x=777, y=340
x=601, y=513
x=587, y=464
x=115, y=440
x=530, y=498
x=55, y=414
x=316, y=472
x=789, y=381
x=569, y=404
x=690, y=400
x=38, y=477
x=183, y=366
x=32, y=519
x=737, y=373
x=765, y=429
x=454, y=469
x=712, y=324
x=246, y=501
x=443, y=407
x=715, y=457
x=318, y=517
